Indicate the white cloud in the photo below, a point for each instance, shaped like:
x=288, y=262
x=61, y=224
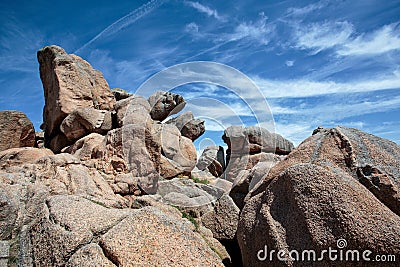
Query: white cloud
x=321, y=36
x=385, y=39
x=308, y=88
x=192, y=28
x=205, y=9
x=289, y=63
x=259, y=31
x=302, y=11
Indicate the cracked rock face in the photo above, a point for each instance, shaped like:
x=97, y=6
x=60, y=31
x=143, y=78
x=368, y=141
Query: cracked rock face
x=16, y=130
x=69, y=82
x=339, y=183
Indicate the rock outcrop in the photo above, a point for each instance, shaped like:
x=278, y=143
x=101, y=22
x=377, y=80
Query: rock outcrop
x=119, y=185
x=248, y=146
x=69, y=82
x=189, y=126
x=340, y=183
x=16, y=130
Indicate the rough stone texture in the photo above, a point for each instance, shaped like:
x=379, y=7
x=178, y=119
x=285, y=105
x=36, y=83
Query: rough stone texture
x=16, y=130
x=91, y=256
x=184, y=193
x=69, y=82
x=9, y=210
x=132, y=110
x=223, y=220
x=57, y=143
x=120, y=94
x=255, y=139
x=178, y=152
x=247, y=179
x=150, y=236
x=83, y=121
x=246, y=162
x=189, y=126
x=4, y=253
x=248, y=146
x=83, y=149
x=209, y=160
x=164, y=104
x=23, y=155
x=321, y=193
x=65, y=224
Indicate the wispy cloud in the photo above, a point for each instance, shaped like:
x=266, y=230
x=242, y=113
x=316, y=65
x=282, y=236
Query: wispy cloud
x=18, y=46
x=321, y=36
x=124, y=22
x=205, y=9
x=192, y=28
x=259, y=31
x=385, y=39
x=308, y=88
x=302, y=11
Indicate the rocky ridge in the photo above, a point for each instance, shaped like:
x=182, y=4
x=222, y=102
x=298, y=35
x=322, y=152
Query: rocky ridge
x=115, y=181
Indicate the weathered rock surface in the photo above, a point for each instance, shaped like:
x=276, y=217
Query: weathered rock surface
x=85, y=148
x=255, y=139
x=133, y=110
x=248, y=179
x=212, y=161
x=16, y=130
x=323, y=191
x=164, y=104
x=150, y=236
x=69, y=82
x=193, y=197
x=178, y=152
x=223, y=219
x=248, y=146
x=120, y=94
x=21, y=156
x=83, y=121
x=189, y=126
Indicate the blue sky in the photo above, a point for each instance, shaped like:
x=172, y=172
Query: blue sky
x=316, y=62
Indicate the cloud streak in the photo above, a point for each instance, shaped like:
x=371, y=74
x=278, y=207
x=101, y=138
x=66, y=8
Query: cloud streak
x=383, y=40
x=124, y=22
x=205, y=9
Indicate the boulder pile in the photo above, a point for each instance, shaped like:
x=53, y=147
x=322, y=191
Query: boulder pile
x=113, y=180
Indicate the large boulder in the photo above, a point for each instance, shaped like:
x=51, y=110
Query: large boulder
x=120, y=94
x=248, y=179
x=16, y=130
x=164, y=104
x=248, y=146
x=189, y=126
x=132, y=110
x=178, y=154
x=253, y=139
x=340, y=183
x=23, y=155
x=73, y=230
x=223, y=219
x=83, y=121
x=151, y=236
x=69, y=82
